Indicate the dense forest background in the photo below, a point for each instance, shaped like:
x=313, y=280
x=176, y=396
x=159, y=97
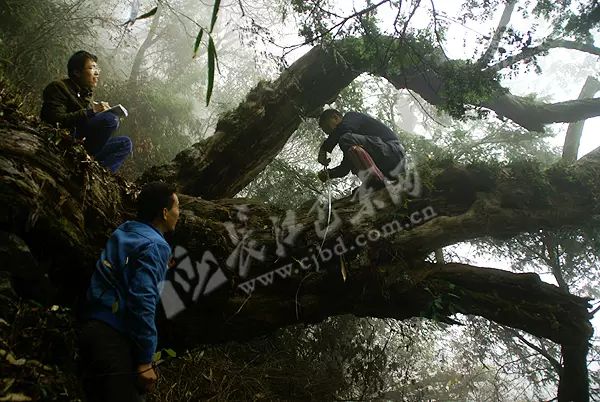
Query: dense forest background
x=480, y=50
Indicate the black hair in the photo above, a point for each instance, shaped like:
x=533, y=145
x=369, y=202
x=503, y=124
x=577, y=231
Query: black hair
x=77, y=61
x=153, y=198
x=328, y=114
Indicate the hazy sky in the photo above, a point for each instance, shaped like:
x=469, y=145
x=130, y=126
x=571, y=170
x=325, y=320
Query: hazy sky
x=563, y=71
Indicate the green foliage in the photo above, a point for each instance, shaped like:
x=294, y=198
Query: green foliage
x=478, y=10
x=211, y=50
x=588, y=19
x=314, y=19
x=490, y=141
x=38, y=37
x=215, y=12
x=350, y=358
x=377, y=53
x=212, y=56
x=528, y=376
x=197, y=42
x=351, y=98
x=161, y=122
x=290, y=179
x=466, y=84
x=579, y=24
x=284, y=185
x=157, y=356
x=443, y=301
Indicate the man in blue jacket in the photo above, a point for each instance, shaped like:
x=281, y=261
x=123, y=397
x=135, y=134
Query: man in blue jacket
x=370, y=148
x=118, y=338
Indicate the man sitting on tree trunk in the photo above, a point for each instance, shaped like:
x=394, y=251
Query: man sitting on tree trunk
x=118, y=338
x=371, y=149
x=69, y=102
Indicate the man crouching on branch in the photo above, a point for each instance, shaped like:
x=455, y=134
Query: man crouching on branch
x=371, y=150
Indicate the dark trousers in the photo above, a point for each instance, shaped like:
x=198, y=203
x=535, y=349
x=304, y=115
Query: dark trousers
x=389, y=156
x=107, y=366
x=109, y=151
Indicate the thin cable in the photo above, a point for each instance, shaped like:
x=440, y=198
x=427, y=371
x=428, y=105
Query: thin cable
x=328, y=186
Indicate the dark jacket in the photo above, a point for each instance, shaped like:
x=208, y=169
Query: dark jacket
x=125, y=287
x=66, y=103
x=361, y=124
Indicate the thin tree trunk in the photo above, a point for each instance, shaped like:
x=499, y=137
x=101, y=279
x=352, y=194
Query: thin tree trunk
x=575, y=129
x=150, y=39
x=498, y=33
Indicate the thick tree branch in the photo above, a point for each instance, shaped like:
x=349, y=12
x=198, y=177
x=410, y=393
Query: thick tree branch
x=530, y=52
x=533, y=115
x=60, y=208
x=249, y=137
x=394, y=291
x=470, y=202
x=526, y=112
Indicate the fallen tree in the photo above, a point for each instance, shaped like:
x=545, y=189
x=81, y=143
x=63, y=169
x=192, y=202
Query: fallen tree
x=60, y=207
x=246, y=268
x=247, y=138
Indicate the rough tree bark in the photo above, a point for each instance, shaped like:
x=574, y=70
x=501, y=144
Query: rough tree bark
x=60, y=207
x=249, y=137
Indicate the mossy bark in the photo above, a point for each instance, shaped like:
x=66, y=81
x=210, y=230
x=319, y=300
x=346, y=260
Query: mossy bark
x=249, y=137
x=59, y=208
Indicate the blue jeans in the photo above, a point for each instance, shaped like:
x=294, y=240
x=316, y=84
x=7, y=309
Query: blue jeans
x=109, y=151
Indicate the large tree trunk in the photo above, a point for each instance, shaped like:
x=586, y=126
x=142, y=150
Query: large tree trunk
x=249, y=137
x=60, y=207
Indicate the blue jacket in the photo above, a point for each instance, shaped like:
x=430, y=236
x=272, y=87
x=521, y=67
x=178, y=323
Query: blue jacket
x=124, y=288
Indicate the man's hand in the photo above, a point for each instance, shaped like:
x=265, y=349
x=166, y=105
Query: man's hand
x=323, y=159
x=146, y=377
x=322, y=175
x=100, y=106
